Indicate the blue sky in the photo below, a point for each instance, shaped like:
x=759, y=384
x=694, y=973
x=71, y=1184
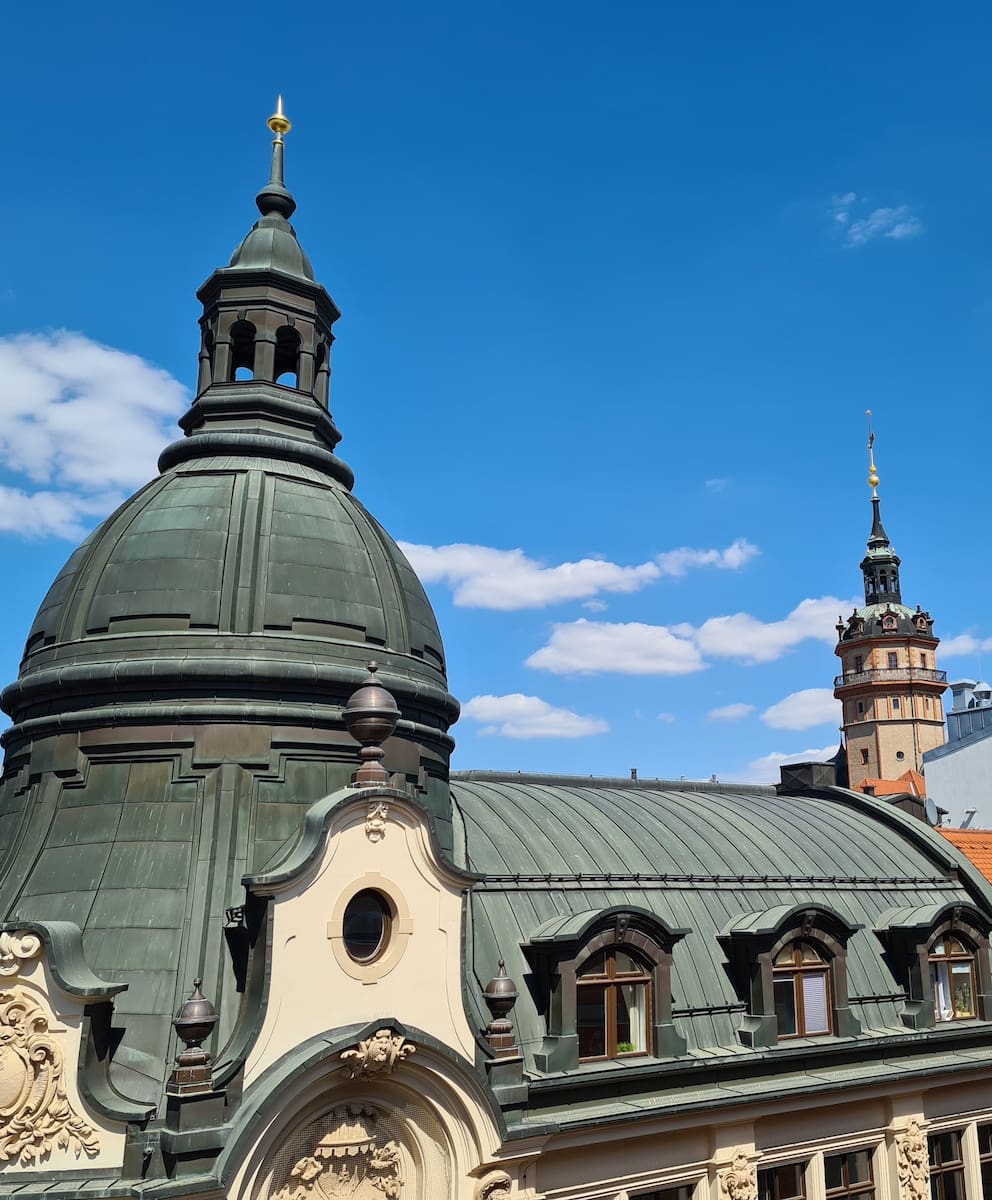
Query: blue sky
x=618, y=286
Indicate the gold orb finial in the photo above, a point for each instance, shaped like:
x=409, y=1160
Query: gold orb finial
x=873, y=480
x=279, y=123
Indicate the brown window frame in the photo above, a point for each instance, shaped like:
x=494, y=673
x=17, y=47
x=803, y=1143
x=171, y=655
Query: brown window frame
x=859, y=1189
x=612, y=981
x=772, y=1175
x=939, y=1170
x=798, y=969
x=968, y=956
x=985, y=1157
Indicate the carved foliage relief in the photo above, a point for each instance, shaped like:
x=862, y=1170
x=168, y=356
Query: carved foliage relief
x=35, y=1113
x=738, y=1181
x=379, y=1054
x=913, y=1162
x=350, y=1160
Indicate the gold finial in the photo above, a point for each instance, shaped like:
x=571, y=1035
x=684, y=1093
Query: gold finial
x=873, y=479
x=279, y=123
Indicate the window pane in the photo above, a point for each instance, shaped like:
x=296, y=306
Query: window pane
x=790, y=1181
x=859, y=1167
x=810, y=954
x=987, y=1180
x=952, y=1185
x=985, y=1141
x=785, y=1005
x=833, y=1171
x=632, y=1018
x=953, y=946
x=964, y=1001
x=595, y=967
x=675, y=1193
x=590, y=1021
x=945, y=1147
x=627, y=965
x=940, y=978
x=815, y=1002
x=786, y=956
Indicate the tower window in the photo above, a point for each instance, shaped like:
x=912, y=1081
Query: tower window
x=859, y=663
x=893, y=659
x=864, y=758
x=242, y=350
x=861, y=708
x=287, y=368
x=896, y=704
x=923, y=659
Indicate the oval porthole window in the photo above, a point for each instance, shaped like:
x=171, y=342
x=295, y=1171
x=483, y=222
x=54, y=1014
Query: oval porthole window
x=367, y=921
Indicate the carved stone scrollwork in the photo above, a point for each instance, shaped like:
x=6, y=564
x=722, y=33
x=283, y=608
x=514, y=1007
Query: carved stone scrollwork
x=738, y=1181
x=375, y=821
x=16, y=948
x=913, y=1163
x=35, y=1113
x=495, y=1187
x=350, y=1160
x=379, y=1054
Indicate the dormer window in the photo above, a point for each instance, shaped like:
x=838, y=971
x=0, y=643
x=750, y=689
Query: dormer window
x=801, y=980
x=952, y=976
x=941, y=954
x=613, y=1005
x=791, y=963
x=603, y=979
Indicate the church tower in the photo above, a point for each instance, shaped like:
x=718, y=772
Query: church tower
x=889, y=684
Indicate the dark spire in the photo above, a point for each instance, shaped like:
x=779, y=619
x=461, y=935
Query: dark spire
x=275, y=197
x=880, y=566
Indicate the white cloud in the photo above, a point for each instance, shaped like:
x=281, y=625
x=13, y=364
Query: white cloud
x=677, y=562
x=730, y=712
x=898, y=222
x=766, y=768
x=716, y=485
x=595, y=605
x=964, y=645
x=588, y=647
x=803, y=710
x=485, y=577
x=751, y=640
x=85, y=420
x=666, y=718
x=632, y=648
x=519, y=716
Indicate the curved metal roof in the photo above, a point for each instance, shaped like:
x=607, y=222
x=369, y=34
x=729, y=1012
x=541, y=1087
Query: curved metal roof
x=700, y=858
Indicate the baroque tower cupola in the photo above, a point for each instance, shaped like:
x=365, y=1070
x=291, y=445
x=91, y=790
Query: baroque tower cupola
x=180, y=701
x=890, y=686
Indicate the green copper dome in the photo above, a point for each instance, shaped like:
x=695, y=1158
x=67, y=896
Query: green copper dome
x=250, y=569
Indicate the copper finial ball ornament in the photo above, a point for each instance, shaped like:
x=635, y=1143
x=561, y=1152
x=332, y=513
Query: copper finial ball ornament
x=371, y=716
x=500, y=996
x=194, y=1023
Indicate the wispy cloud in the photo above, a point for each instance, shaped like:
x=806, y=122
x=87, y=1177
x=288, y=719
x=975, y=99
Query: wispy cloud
x=804, y=710
x=666, y=718
x=82, y=424
x=750, y=640
x=508, y=580
x=627, y=648
x=730, y=712
x=766, y=768
x=964, y=645
x=587, y=647
x=519, y=716
x=716, y=485
x=898, y=222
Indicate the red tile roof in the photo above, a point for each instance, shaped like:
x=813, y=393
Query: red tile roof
x=975, y=844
